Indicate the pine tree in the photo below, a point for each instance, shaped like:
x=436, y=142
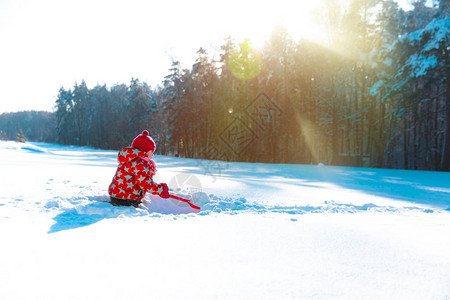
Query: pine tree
x=21, y=137
x=64, y=117
x=421, y=69
x=385, y=68
x=81, y=112
x=139, y=105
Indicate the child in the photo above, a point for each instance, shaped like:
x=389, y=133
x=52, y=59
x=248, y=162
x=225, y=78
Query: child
x=134, y=175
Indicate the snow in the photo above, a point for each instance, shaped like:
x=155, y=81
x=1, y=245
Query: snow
x=439, y=31
x=374, y=90
x=420, y=64
x=435, y=34
x=388, y=61
x=268, y=231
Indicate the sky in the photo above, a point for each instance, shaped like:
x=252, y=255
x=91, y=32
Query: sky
x=49, y=44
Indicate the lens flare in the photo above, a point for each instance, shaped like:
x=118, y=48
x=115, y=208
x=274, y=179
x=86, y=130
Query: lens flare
x=311, y=139
x=245, y=62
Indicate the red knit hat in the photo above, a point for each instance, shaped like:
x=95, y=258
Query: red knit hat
x=144, y=142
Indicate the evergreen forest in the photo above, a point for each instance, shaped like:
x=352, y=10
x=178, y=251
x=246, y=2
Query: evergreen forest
x=376, y=93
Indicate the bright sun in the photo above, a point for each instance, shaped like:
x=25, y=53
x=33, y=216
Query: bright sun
x=256, y=20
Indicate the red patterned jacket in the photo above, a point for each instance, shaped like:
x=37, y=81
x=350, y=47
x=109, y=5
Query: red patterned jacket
x=134, y=176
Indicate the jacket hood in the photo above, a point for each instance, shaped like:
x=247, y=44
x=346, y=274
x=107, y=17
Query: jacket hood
x=127, y=154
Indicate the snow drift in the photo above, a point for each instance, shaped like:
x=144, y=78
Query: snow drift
x=265, y=231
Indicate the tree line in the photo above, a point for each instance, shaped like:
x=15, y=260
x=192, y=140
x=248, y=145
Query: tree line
x=28, y=125
x=375, y=93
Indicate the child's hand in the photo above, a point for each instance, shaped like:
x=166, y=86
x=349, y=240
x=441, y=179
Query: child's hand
x=165, y=190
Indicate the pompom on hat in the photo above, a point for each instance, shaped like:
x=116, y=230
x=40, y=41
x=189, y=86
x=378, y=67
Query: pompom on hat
x=144, y=142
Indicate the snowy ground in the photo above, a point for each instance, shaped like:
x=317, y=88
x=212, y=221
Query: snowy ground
x=268, y=232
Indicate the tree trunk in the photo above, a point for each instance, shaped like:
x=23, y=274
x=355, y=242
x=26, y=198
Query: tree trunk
x=405, y=142
x=435, y=151
x=363, y=95
x=415, y=123
x=446, y=152
x=380, y=150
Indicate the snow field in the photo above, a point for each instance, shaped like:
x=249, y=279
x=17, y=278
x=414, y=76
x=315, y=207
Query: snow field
x=268, y=232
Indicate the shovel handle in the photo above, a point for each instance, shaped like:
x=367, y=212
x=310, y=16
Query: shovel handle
x=184, y=200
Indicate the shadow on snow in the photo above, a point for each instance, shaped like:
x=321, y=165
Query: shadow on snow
x=98, y=208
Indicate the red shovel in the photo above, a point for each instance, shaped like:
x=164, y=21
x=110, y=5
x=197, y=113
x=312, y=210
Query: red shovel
x=185, y=200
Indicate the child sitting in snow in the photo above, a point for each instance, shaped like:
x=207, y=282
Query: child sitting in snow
x=134, y=175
